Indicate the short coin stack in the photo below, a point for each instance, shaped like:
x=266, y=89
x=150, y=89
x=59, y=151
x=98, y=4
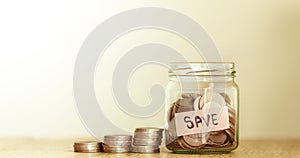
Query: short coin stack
x=147, y=140
x=87, y=146
x=117, y=143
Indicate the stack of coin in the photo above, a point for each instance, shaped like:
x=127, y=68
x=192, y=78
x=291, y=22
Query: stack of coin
x=87, y=146
x=117, y=143
x=147, y=140
x=215, y=139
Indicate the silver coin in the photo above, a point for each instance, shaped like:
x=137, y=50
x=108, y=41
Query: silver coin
x=148, y=133
x=146, y=142
x=87, y=146
x=149, y=129
x=88, y=151
x=117, y=143
x=145, y=129
x=147, y=139
x=82, y=148
x=147, y=136
x=145, y=149
x=107, y=147
x=87, y=143
x=116, y=150
x=117, y=137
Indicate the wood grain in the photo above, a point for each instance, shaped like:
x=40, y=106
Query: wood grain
x=63, y=148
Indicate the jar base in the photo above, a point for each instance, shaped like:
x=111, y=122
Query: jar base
x=226, y=150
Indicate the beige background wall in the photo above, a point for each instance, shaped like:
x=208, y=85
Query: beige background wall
x=40, y=42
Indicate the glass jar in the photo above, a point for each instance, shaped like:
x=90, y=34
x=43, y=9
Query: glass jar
x=201, y=109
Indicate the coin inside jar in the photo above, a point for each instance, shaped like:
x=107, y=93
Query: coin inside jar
x=171, y=112
x=179, y=109
x=217, y=138
x=173, y=144
x=230, y=133
x=186, y=101
x=184, y=145
x=227, y=98
x=211, y=97
x=193, y=139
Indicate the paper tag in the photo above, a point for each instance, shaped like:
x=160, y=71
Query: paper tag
x=202, y=121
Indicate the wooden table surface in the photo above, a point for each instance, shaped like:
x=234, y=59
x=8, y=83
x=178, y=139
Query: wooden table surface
x=63, y=148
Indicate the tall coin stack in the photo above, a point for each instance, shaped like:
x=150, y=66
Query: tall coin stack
x=147, y=140
x=87, y=146
x=117, y=143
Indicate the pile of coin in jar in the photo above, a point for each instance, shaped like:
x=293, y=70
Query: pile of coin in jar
x=210, y=140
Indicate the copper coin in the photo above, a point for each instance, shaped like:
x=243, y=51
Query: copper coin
x=190, y=95
x=171, y=112
x=185, y=145
x=187, y=102
x=227, y=98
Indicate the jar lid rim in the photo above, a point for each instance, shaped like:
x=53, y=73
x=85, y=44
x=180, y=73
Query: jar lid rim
x=202, y=69
x=200, y=63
